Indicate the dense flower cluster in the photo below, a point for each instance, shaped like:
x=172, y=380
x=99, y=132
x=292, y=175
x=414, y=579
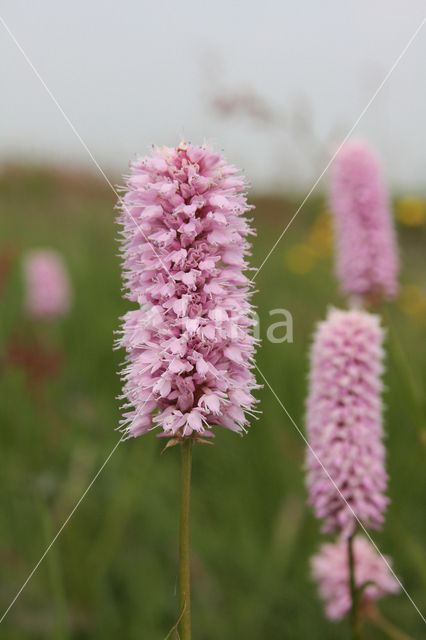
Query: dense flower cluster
x=344, y=422
x=189, y=344
x=46, y=283
x=330, y=569
x=367, y=262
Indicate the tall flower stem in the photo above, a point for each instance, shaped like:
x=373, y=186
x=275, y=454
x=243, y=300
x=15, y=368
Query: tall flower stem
x=355, y=619
x=184, y=547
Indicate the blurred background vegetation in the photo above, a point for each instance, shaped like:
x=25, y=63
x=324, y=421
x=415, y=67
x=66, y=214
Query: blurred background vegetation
x=113, y=571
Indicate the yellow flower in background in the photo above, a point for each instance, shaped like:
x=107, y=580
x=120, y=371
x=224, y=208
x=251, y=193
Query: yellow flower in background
x=300, y=258
x=321, y=235
x=411, y=211
x=412, y=300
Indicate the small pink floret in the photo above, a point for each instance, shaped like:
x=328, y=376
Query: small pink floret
x=47, y=285
x=330, y=569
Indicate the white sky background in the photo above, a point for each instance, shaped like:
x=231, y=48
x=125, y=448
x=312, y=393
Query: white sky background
x=131, y=73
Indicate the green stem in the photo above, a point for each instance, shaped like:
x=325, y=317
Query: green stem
x=184, y=548
x=355, y=617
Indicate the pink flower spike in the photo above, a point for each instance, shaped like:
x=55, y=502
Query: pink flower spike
x=190, y=342
x=367, y=260
x=344, y=422
x=330, y=569
x=46, y=283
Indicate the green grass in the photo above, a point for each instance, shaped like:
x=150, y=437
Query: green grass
x=112, y=573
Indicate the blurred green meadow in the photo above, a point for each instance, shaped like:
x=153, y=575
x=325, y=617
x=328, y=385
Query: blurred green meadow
x=113, y=571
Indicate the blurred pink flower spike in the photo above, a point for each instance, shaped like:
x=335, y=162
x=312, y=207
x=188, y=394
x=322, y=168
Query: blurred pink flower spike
x=330, y=569
x=47, y=285
x=366, y=260
x=189, y=345
x=344, y=422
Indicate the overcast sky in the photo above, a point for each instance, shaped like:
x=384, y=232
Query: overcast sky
x=131, y=73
